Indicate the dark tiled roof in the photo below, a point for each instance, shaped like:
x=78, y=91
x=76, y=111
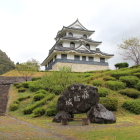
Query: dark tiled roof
x=77, y=38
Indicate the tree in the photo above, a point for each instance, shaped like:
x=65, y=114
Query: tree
x=121, y=65
x=130, y=49
x=28, y=69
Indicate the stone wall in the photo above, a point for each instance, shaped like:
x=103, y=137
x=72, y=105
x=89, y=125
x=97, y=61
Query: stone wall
x=79, y=67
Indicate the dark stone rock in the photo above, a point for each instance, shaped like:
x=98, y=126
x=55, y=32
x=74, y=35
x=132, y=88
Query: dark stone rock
x=78, y=98
x=99, y=114
x=60, y=115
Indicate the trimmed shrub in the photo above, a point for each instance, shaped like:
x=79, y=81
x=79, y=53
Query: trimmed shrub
x=97, y=82
x=137, y=74
x=18, y=86
x=36, y=78
x=29, y=109
x=138, y=86
x=130, y=92
x=41, y=91
x=15, y=84
x=109, y=78
x=115, y=85
x=109, y=103
x=103, y=92
x=21, y=89
x=23, y=98
x=118, y=74
x=39, y=96
x=35, y=86
x=87, y=75
x=51, y=111
x=16, y=102
x=121, y=65
x=25, y=84
x=39, y=111
x=132, y=106
x=130, y=81
x=14, y=107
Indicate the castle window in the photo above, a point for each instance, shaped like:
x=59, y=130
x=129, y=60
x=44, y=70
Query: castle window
x=88, y=46
x=63, y=56
x=85, y=36
x=102, y=60
x=72, y=45
x=70, y=35
x=90, y=58
x=76, y=57
x=83, y=58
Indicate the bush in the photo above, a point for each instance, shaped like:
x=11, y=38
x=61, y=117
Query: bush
x=130, y=92
x=25, y=84
x=39, y=111
x=29, y=109
x=121, y=65
x=109, y=103
x=39, y=96
x=14, y=107
x=16, y=102
x=41, y=91
x=97, y=82
x=132, y=105
x=109, y=78
x=23, y=98
x=15, y=84
x=103, y=92
x=130, y=81
x=87, y=75
x=137, y=74
x=36, y=78
x=21, y=89
x=35, y=86
x=115, y=85
x=138, y=86
x=18, y=86
x=51, y=111
x=118, y=74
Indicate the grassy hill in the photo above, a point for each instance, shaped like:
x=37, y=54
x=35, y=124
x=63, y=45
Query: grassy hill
x=119, y=92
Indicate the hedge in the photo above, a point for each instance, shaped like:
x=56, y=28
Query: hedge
x=21, y=89
x=130, y=81
x=109, y=78
x=29, y=109
x=118, y=74
x=36, y=78
x=39, y=111
x=97, y=82
x=103, y=92
x=39, y=96
x=14, y=107
x=132, y=106
x=115, y=85
x=24, y=98
x=130, y=92
x=109, y=103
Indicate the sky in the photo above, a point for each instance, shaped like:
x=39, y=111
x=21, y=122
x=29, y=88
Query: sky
x=28, y=27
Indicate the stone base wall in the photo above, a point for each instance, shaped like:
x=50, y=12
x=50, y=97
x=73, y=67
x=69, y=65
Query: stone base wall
x=79, y=67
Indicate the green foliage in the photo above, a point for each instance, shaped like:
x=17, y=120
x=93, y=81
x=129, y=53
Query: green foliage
x=121, y=65
x=51, y=111
x=130, y=92
x=18, y=85
x=36, y=78
x=41, y=91
x=137, y=74
x=103, y=92
x=39, y=111
x=138, y=86
x=115, y=85
x=16, y=102
x=21, y=89
x=15, y=84
x=135, y=66
x=29, y=109
x=97, y=82
x=109, y=78
x=25, y=84
x=118, y=74
x=35, y=86
x=24, y=98
x=109, y=103
x=39, y=96
x=5, y=63
x=132, y=105
x=14, y=107
x=130, y=81
x=58, y=81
